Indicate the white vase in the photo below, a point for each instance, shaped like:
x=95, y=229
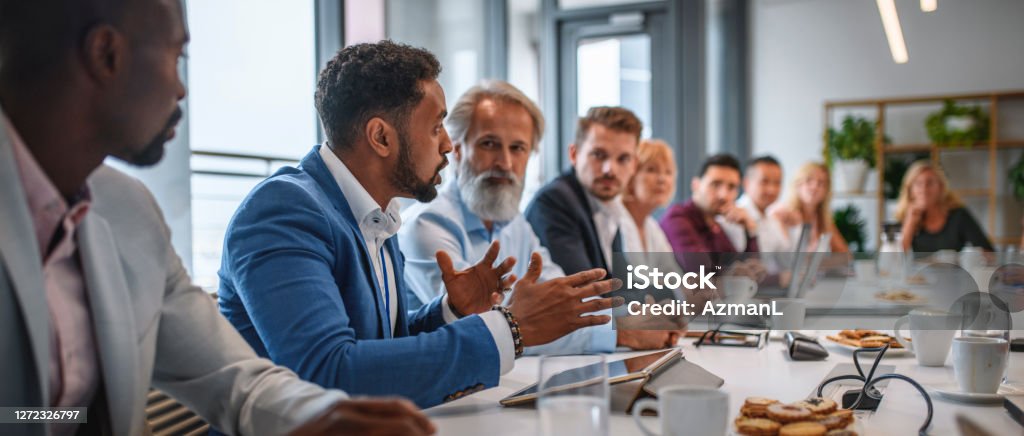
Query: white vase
x=851, y=175
x=871, y=180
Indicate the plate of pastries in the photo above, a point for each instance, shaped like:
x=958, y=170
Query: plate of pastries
x=861, y=338
x=816, y=416
x=899, y=296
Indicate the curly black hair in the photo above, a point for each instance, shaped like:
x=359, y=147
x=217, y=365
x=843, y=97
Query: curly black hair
x=364, y=81
x=720, y=160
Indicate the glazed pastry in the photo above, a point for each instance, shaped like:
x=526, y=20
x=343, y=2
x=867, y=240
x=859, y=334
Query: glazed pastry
x=757, y=427
x=819, y=406
x=846, y=415
x=786, y=413
x=803, y=429
x=756, y=407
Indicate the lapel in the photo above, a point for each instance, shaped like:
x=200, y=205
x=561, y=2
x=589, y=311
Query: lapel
x=401, y=326
x=113, y=319
x=314, y=165
x=19, y=253
x=588, y=215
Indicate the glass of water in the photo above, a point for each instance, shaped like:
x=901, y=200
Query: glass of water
x=573, y=395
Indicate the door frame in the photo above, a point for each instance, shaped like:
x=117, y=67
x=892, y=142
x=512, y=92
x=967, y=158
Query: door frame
x=677, y=96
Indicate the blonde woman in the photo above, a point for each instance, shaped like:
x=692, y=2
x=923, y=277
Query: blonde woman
x=933, y=216
x=807, y=202
x=651, y=187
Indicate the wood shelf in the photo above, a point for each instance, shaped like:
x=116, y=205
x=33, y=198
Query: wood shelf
x=918, y=148
x=983, y=192
x=989, y=148
x=1005, y=95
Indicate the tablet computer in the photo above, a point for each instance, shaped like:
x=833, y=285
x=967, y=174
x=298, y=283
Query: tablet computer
x=620, y=371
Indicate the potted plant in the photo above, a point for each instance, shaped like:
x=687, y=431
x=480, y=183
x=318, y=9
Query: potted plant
x=850, y=224
x=853, y=149
x=895, y=168
x=956, y=125
x=1016, y=175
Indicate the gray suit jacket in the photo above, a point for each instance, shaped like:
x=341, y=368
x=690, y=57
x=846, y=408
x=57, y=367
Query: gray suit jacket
x=152, y=326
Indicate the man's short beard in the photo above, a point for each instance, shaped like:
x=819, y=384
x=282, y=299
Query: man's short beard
x=153, y=152
x=497, y=202
x=404, y=178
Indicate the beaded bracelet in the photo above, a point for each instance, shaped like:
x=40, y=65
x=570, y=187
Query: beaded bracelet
x=513, y=325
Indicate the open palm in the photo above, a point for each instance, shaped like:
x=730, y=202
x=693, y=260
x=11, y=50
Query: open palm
x=477, y=288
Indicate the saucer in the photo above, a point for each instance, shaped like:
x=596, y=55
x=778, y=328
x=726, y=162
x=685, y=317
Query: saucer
x=953, y=392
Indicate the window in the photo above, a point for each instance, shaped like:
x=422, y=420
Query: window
x=615, y=71
x=252, y=74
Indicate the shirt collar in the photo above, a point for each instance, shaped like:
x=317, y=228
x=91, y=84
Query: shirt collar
x=747, y=203
x=611, y=208
x=46, y=206
x=366, y=211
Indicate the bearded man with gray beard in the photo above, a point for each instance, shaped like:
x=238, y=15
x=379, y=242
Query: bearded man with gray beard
x=494, y=129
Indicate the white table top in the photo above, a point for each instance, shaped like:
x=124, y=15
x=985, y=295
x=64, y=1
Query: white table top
x=749, y=372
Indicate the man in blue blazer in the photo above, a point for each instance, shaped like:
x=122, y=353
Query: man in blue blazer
x=312, y=275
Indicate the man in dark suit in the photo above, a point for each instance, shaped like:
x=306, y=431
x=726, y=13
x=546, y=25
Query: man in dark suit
x=577, y=215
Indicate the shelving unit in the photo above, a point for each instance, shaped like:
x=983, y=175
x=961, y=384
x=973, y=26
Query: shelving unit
x=882, y=107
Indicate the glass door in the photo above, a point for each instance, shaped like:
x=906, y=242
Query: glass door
x=608, y=62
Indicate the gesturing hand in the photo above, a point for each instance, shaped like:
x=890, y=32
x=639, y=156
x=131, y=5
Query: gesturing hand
x=479, y=287
x=368, y=417
x=739, y=215
x=547, y=311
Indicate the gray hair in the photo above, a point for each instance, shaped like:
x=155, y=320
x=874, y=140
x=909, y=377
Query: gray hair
x=461, y=114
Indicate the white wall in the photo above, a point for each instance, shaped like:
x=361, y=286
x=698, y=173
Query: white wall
x=804, y=52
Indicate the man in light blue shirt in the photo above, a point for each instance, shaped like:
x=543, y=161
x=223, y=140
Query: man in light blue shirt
x=494, y=129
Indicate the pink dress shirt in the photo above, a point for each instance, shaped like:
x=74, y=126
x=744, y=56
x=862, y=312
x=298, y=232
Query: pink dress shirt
x=73, y=366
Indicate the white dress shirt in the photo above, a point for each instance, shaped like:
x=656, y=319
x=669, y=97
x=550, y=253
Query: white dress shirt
x=447, y=224
x=771, y=238
x=653, y=241
x=608, y=216
x=653, y=249
x=377, y=226
x=736, y=233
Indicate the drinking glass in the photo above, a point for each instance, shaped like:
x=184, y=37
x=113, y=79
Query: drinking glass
x=573, y=395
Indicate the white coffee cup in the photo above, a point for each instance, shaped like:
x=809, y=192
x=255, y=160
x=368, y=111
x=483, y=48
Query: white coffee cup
x=686, y=409
x=971, y=257
x=931, y=332
x=738, y=289
x=793, y=313
x=979, y=363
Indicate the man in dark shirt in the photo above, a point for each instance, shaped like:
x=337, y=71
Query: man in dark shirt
x=694, y=227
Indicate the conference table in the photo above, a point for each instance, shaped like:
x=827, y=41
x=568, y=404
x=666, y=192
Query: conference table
x=767, y=372
x=747, y=372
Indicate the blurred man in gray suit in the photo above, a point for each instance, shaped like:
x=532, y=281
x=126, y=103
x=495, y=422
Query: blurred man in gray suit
x=95, y=306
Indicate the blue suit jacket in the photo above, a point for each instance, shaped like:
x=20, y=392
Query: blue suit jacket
x=296, y=280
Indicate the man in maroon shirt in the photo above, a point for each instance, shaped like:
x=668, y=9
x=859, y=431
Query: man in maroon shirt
x=695, y=226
